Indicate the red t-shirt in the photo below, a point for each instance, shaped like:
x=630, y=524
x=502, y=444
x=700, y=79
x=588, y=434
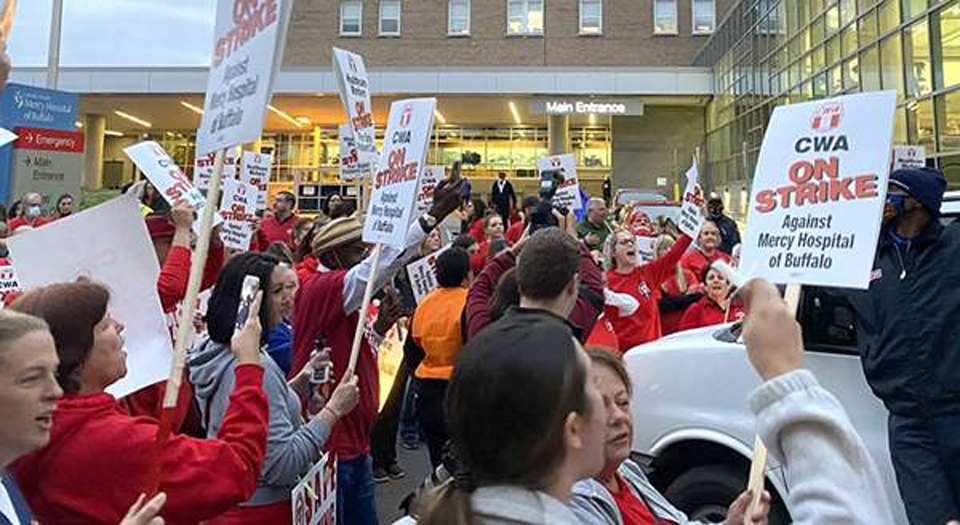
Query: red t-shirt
x=515, y=232
x=697, y=262
x=707, y=312
x=633, y=510
x=17, y=222
x=273, y=229
x=476, y=231
x=643, y=284
x=670, y=321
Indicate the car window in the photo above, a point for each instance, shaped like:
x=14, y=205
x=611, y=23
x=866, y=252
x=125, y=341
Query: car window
x=828, y=321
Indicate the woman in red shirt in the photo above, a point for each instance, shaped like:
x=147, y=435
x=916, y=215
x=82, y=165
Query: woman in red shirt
x=472, y=223
x=716, y=307
x=493, y=231
x=642, y=282
x=622, y=486
x=706, y=252
x=678, y=292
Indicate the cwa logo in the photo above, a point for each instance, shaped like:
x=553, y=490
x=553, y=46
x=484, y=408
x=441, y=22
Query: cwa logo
x=827, y=117
x=406, y=115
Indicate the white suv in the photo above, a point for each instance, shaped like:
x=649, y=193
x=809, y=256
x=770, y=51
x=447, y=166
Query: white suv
x=693, y=428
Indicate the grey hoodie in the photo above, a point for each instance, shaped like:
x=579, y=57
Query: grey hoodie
x=292, y=445
x=593, y=503
x=511, y=505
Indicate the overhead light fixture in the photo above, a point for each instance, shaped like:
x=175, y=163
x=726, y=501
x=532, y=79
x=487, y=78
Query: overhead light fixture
x=133, y=119
x=79, y=124
x=284, y=115
x=513, y=109
x=112, y=133
x=303, y=120
x=196, y=109
x=439, y=117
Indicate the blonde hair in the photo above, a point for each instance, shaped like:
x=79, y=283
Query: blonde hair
x=610, y=246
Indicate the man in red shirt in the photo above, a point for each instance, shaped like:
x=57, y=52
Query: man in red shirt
x=706, y=252
x=279, y=226
x=326, y=315
x=31, y=213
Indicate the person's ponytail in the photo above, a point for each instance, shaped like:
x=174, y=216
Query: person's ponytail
x=448, y=504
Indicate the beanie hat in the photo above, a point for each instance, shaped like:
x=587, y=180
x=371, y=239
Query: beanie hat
x=159, y=226
x=924, y=184
x=336, y=233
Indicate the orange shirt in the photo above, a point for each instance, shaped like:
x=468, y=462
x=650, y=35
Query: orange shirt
x=437, y=329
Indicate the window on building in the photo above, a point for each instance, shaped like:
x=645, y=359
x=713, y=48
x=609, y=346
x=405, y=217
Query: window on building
x=351, y=19
x=591, y=17
x=704, y=16
x=524, y=17
x=389, y=17
x=458, y=17
x=945, y=31
x=665, y=17
x=916, y=57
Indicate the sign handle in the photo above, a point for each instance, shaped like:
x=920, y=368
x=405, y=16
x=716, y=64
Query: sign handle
x=364, y=308
x=185, y=328
x=758, y=467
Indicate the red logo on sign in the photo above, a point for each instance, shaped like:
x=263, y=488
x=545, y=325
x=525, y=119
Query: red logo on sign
x=827, y=117
x=406, y=115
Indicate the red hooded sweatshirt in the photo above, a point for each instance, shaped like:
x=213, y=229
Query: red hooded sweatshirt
x=643, y=284
x=99, y=459
x=707, y=312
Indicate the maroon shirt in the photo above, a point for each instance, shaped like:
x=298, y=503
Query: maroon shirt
x=273, y=229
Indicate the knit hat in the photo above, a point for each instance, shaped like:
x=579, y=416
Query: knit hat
x=159, y=226
x=924, y=184
x=336, y=233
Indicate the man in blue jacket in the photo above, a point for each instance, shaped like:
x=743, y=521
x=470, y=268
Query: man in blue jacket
x=909, y=339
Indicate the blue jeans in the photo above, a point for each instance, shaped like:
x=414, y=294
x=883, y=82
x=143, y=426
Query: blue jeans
x=926, y=458
x=356, y=501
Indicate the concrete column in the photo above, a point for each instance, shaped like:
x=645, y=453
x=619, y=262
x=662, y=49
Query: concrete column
x=558, y=134
x=93, y=129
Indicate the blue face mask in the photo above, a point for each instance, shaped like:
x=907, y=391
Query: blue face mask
x=899, y=202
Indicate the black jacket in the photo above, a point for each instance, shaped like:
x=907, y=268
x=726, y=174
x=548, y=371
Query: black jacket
x=503, y=199
x=909, y=323
x=729, y=233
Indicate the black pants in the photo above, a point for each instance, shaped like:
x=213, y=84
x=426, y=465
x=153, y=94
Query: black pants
x=926, y=458
x=383, y=437
x=430, y=396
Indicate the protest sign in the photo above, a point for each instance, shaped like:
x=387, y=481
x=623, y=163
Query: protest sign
x=164, y=174
x=123, y=259
x=423, y=274
x=430, y=176
x=203, y=168
x=395, y=184
x=6, y=137
x=9, y=283
x=256, y=172
x=237, y=210
x=819, y=190
x=349, y=156
x=691, y=212
x=568, y=195
x=249, y=36
x=354, y=88
x=314, y=499
x=646, y=248
x=909, y=157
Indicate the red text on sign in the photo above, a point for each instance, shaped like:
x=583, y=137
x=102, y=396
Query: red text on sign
x=816, y=182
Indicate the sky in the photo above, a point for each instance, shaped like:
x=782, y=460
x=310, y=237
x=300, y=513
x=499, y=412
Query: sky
x=115, y=33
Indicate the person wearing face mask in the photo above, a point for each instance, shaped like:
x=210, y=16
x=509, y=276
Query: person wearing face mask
x=716, y=306
x=729, y=231
x=909, y=340
x=706, y=251
x=99, y=458
x=31, y=213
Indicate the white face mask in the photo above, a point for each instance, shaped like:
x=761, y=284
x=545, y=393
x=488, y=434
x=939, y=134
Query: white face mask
x=33, y=211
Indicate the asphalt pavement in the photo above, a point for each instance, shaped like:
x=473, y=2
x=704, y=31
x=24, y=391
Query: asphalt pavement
x=416, y=463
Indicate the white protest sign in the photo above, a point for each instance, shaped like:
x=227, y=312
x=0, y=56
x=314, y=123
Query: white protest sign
x=123, y=259
x=909, y=157
x=819, y=190
x=349, y=156
x=691, y=212
x=248, y=41
x=646, y=248
x=6, y=137
x=164, y=174
x=395, y=185
x=423, y=274
x=314, y=499
x=237, y=210
x=568, y=195
x=354, y=88
x=203, y=168
x=256, y=172
x=430, y=176
x=9, y=283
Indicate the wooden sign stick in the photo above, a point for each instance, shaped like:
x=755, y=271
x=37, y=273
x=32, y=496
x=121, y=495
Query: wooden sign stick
x=758, y=467
x=364, y=308
x=185, y=329
x=6, y=19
